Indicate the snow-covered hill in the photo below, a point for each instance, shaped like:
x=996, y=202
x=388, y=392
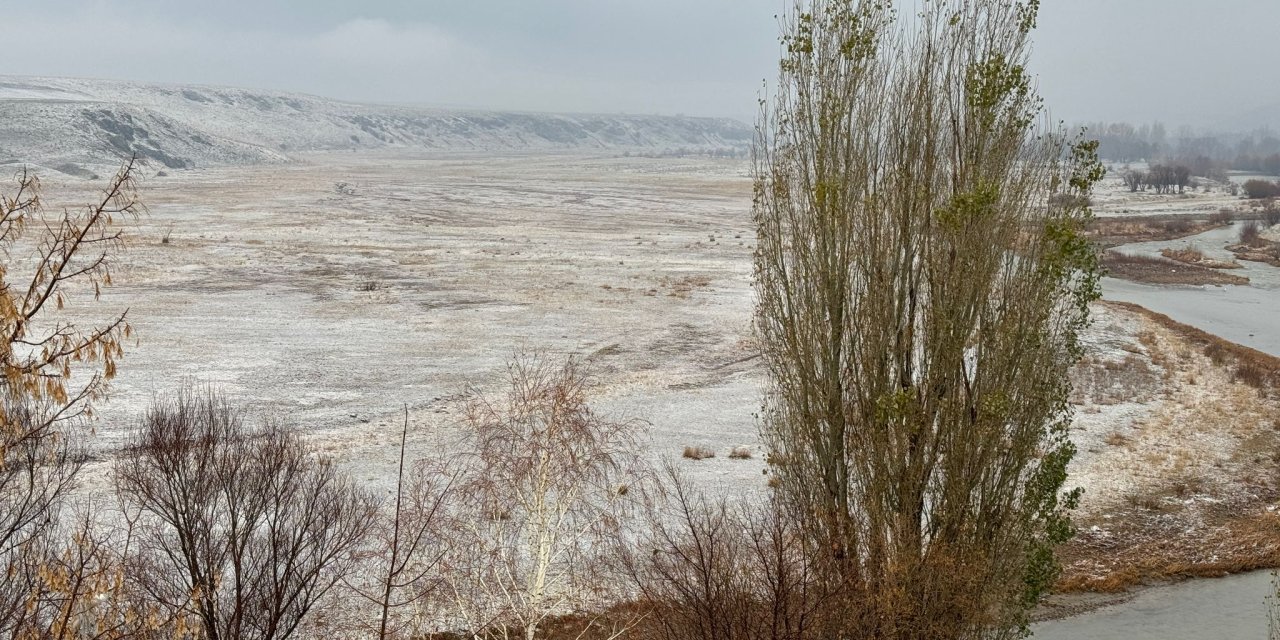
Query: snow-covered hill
x=75, y=125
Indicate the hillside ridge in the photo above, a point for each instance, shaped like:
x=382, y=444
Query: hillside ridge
x=75, y=125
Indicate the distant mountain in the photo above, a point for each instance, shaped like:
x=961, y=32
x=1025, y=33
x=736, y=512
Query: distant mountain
x=74, y=125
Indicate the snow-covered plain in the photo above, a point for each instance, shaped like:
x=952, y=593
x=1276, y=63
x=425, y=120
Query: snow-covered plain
x=424, y=274
x=1111, y=198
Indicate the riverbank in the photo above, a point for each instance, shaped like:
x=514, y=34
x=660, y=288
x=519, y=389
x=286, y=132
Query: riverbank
x=1178, y=433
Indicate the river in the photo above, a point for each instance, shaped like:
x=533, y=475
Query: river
x=1206, y=609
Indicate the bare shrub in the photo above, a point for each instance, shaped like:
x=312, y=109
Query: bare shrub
x=1258, y=189
x=1134, y=180
x=243, y=530
x=1253, y=375
x=1271, y=213
x=546, y=482
x=1185, y=254
x=409, y=545
x=699, y=452
x=76, y=587
x=1222, y=217
x=740, y=453
x=1187, y=486
x=708, y=569
x=1216, y=353
x=1251, y=234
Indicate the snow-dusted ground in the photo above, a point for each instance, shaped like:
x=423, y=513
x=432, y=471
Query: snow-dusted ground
x=332, y=309
x=1111, y=198
x=1157, y=417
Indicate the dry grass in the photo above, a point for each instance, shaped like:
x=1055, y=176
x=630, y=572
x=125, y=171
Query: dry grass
x=700, y=452
x=1188, y=490
x=1186, y=254
x=1153, y=270
x=1111, y=232
x=1254, y=375
x=1117, y=439
x=1147, y=502
x=1099, y=561
x=740, y=453
x=684, y=287
x=1109, y=382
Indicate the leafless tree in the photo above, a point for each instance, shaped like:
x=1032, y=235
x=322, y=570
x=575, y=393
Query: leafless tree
x=546, y=479
x=55, y=566
x=77, y=586
x=241, y=530
x=404, y=580
x=1134, y=180
x=1181, y=177
x=1165, y=177
x=921, y=279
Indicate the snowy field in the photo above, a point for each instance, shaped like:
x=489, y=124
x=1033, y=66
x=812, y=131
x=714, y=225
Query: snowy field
x=331, y=291
x=331, y=307
x=1111, y=198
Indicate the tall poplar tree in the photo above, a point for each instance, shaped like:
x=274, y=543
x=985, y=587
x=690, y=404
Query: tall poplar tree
x=921, y=281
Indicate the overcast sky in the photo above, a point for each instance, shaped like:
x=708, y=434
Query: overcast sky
x=1177, y=61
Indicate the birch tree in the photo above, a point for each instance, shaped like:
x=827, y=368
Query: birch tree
x=547, y=478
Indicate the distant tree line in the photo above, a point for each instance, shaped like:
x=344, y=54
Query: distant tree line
x=1207, y=155
x=1123, y=142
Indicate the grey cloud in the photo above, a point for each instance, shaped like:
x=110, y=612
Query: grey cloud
x=1172, y=60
